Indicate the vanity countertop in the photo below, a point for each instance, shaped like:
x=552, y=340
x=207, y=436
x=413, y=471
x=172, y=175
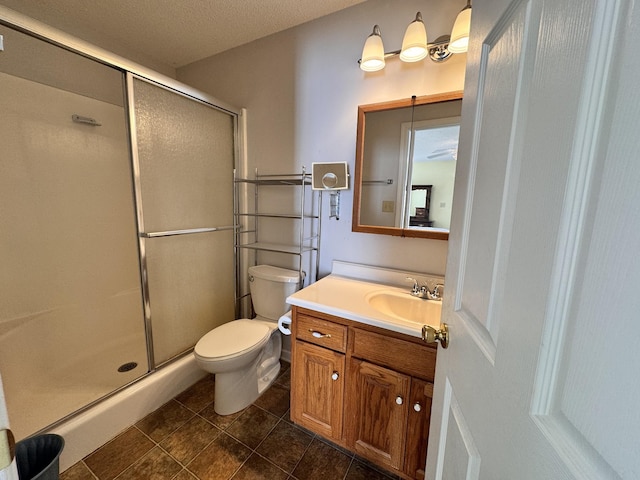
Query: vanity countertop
x=348, y=298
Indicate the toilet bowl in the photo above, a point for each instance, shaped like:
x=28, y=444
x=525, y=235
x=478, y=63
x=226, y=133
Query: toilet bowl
x=244, y=354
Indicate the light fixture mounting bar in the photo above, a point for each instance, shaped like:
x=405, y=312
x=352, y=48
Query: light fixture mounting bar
x=437, y=50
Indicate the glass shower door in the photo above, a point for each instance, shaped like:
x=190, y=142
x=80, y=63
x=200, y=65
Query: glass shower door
x=71, y=314
x=185, y=158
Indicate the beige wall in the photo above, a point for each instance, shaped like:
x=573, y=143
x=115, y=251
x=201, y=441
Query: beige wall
x=302, y=87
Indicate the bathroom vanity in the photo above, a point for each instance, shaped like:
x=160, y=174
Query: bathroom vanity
x=361, y=376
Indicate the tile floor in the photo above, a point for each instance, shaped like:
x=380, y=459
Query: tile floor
x=186, y=440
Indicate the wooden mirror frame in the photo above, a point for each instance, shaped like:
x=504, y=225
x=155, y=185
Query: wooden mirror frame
x=357, y=185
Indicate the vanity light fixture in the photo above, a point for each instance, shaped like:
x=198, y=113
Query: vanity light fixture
x=373, y=52
x=414, y=43
x=459, y=41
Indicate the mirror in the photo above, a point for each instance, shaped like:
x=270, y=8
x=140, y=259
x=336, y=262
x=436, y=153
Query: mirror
x=405, y=166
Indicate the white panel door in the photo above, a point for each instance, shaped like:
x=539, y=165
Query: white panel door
x=540, y=377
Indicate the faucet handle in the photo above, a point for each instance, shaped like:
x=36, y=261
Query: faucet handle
x=415, y=289
x=436, y=293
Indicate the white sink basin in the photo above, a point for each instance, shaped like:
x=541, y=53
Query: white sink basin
x=406, y=307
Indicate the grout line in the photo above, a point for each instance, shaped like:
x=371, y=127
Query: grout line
x=268, y=433
x=147, y=436
x=179, y=462
x=219, y=431
x=136, y=462
x=313, y=437
x=186, y=465
x=239, y=468
x=348, y=468
x=183, y=470
x=268, y=460
x=255, y=450
x=87, y=467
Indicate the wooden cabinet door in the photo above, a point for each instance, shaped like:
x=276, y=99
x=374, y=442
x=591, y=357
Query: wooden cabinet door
x=376, y=413
x=317, y=389
x=418, y=427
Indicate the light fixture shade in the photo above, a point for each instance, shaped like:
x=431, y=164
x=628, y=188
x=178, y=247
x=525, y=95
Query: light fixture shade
x=459, y=42
x=373, y=52
x=414, y=44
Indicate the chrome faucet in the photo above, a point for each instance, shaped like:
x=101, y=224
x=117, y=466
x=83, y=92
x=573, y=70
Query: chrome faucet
x=436, y=293
x=416, y=290
x=424, y=292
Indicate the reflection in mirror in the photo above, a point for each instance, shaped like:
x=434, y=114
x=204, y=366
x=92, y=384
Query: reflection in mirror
x=405, y=166
x=7, y=448
x=420, y=206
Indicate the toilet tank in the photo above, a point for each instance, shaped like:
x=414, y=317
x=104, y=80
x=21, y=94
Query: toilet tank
x=270, y=287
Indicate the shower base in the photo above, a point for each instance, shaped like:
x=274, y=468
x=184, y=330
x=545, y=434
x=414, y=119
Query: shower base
x=94, y=427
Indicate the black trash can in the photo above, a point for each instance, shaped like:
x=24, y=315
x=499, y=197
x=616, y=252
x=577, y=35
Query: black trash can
x=39, y=457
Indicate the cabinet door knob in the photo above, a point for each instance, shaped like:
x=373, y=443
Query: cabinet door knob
x=399, y=400
x=335, y=376
x=417, y=407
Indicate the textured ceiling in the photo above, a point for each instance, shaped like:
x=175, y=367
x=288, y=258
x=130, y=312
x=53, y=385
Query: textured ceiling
x=175, y=32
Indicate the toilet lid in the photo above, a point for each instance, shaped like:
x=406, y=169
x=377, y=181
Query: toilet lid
x=231, y=338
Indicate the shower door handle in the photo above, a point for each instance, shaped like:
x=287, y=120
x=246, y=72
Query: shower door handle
x=190, y=231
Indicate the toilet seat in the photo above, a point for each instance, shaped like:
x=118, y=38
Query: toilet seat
x=232, y=339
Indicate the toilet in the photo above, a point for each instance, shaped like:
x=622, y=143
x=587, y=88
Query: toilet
x=245, y=354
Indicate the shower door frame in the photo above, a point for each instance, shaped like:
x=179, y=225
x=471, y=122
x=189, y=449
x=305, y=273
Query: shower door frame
x=131, y=70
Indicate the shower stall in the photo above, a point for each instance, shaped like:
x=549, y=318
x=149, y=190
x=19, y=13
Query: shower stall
x=116, y=225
